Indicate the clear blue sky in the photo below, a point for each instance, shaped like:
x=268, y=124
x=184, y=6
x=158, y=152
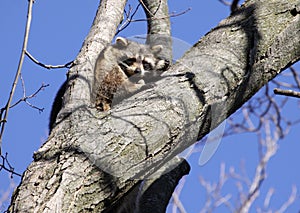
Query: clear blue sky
x=57, y=33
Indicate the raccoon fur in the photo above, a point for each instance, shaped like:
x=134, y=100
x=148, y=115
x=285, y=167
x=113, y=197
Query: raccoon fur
x=123, y=68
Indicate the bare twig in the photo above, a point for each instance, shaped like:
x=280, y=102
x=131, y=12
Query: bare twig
x=25, y=97
x=214, y=197
x=26, y=35
x=260, y=107
x=129, y=16
x=260, y=115
x=241, y=178
x=296, y=76
x=271, y=147
x=67, y=65
x=284, y=84
x=268, y=198
x=7, y=167
x=225, y=2
x=291, y=200
x=175, y=196
x=290, y=93
x=146, y=8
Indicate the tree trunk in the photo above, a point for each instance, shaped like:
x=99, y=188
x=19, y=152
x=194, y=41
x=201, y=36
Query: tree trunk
x=98, y=161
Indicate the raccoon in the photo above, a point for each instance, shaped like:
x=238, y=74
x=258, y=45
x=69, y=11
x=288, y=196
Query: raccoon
x=122, y=69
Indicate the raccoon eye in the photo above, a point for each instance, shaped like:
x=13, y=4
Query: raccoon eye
x=130, y=61
x=147, y=66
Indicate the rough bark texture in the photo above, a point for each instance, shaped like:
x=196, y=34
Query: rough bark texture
x=92, y=159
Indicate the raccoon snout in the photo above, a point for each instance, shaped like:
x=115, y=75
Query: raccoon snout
x=137, y=71
x=140, y=71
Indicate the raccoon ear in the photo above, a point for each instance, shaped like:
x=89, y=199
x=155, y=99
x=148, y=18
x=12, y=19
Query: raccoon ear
x=120, y=41
x=156, y=49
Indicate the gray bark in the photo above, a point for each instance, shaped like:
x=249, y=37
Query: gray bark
x=93, y=160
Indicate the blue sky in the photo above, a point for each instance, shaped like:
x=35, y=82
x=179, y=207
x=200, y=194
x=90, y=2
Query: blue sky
x=57, y=33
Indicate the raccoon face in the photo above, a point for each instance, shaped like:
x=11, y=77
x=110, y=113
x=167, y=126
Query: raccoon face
x=140, y=60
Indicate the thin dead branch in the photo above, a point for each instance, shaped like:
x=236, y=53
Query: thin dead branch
x=131, y=13
x=26, y=97
x=290, y=201
x=214, y=197
x=147, y=9
x=291, y=86
x=5, y=165
x=268, y=198
x=290, y=93
x=249, y=190
x=263, y=106
x=177, y=204
x=296, y=76
x=270, y=144
x=12, y=92
x=67, y=65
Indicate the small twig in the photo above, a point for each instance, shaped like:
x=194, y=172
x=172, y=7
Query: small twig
x=291, y=200
x=283, y=84
x=67, y=65
x=25, y=98
x=146, y=8
x=177, y=203
x=260, y=174
x=130, y=19
x=214, y=197
x=12, y=92
x=8, y=168
x=268, y=198
x=296, y=76
x=225, y=2
x=173, y=14
x=290, y=93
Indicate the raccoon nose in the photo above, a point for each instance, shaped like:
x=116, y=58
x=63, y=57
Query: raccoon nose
x=137, y=70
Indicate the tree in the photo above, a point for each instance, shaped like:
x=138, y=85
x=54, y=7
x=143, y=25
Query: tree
x=216, y=76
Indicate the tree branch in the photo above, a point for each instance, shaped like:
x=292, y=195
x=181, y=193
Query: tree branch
x=7, y=166
x=290, y=93
x=12, y=92
x=67, y=65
